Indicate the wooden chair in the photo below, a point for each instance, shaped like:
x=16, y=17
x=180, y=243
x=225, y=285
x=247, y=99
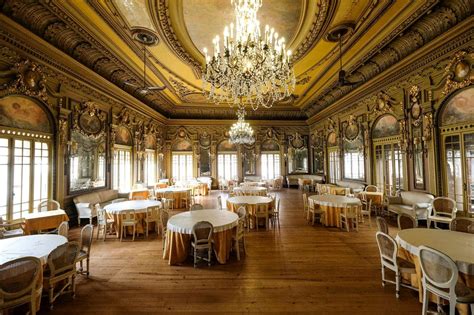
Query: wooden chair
x=152, y=216
x=382, y=225
x=305, y=206
x=19, y=283
x=63, y=229
x=465, y=225
x=167, y=204
x=61, y=271
x=406, y=221
x=371, y=188
x=388, y=250
x=169, y=196
x=138, y=197
x=440, y=277
x=202, y=241
x=366, y=210
x=219, y=202
x=315, y=212
x=349, y=218
x=197, y=206
x=443, y=211
x=164, y=216
x=128, y=218
x=275, y=215
x=8, y=229
x=85, y=250
x=186, y=200
x=48, y=205
x=104, y=222
x=261, y=212
x=240, y=232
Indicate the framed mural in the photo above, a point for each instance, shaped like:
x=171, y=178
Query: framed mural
x=386, y=126
x=23, y=113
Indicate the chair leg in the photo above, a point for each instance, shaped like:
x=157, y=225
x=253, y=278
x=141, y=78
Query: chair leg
x=397, y=284
x=237, y=249
x=425, y=302
x=383, y=276
x=146, y=232
x=87, y=263
x=121, y=232
x=133, y=233
x=195, y=252
x=209, y=257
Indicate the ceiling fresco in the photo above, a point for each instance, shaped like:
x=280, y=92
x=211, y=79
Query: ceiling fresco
x=100, y=35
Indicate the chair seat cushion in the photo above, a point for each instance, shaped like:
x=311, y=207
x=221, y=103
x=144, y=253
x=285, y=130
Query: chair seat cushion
x=439, y=218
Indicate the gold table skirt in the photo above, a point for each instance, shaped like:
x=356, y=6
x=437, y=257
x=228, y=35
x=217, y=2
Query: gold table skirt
x=44, y=223
x=331, y=215
x=178, y=246
x=177, y=197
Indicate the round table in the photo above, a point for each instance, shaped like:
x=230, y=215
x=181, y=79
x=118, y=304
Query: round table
x=253, y=184
x=250, y=202
x=332, y=205
x=39, y=246
x=179, y=233
x=178, y=194
x=458, y=246
x=250, y=191
x=140, y=207
x=375, y=196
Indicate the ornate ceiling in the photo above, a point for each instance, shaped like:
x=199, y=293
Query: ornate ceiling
x=99, y=34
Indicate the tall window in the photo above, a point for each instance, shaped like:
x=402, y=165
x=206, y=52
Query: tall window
x=122, y=169
x=334, y=166
x=354, y=165
x=270, y=165
x=227, y=165
x=182, y=166
x=24, y=165
x=389, y=168
x=150, y=167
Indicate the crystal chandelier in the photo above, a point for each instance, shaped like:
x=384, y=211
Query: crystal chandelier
x=241, y=132
x=251, y=69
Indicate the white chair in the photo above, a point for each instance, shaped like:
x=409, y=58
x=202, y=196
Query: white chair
x=128, y=219
x=164, y=216
x=61, y=271
x=48, y=205
x=197, y=206
x=18, y=283
x=465, y=225
x=349, y=218
x=219, y=202
x=382, y=225
x=261, y=212
x=388, y=250
x=440, y=277
x=406, y=221
x=104, y=221
x=240, y=232
x=202, y=241
x=85, y=250
x=366, y=210
x=314, y=211
x=152, y=216
x=167, y=203
x=305, y=206
x=275, y=216
x=371, y=188
x=8, y=229
x=443, y=210
x=63, y=229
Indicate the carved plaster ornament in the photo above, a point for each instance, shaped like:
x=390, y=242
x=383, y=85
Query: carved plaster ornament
x=352, y=129
x=296, y=141
x=30, y=80
x=89, y=120
x=427, y=126
x=63, y=130
x=415, y=100
x=458, y=72
x=331, y=125
x=403, y=143
x=383, y=104
x=124, y=118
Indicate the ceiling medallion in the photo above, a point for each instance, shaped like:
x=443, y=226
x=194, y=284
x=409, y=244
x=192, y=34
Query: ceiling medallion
x=251, y=70
x=241, y=132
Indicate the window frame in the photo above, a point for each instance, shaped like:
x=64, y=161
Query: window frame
x=129, y=150
x=188, y=172
x=276, y=170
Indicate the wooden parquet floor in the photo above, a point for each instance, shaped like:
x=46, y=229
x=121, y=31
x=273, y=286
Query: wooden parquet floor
x=299, y=268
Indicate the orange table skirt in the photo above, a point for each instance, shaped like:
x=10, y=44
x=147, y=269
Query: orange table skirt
x=177, y=197
x=44, y=223
x=140, y=229
x=201, y=190
x=178, y=246
x=331, y=215
x=468, y=280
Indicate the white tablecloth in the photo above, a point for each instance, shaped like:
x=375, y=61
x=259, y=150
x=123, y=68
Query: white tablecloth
x=39, y=246
x=250, y=189
x=137, y=205
x=252, y=184
x=458, y=246
x=172, y=189
x=335, y=200
x=251, y=200
x=221, y=220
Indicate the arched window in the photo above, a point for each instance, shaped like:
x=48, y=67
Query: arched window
x=333, y=157
x=149, y=167
x=227, y=160
x=122, y=160
x=182, y=160
x=270, y=159
x=26, y=132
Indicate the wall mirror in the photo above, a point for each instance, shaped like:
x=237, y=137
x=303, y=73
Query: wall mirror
x=418, y=158
x=249, y=161
x=87, y=148
x=204, y=162
x=317, y=144
x=297, y=154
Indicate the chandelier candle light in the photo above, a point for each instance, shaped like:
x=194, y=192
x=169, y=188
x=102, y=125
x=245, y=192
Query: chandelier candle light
x=251, y=70
x=241, y=132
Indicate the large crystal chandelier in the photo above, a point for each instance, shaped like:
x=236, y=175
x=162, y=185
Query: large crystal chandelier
x=241, y=132
x=251, y=69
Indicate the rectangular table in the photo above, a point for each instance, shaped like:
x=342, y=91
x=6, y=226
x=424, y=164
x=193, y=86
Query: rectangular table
x=44, y=220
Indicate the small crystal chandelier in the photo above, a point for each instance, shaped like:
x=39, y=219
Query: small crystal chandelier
x=251, y=70
x=241, y=132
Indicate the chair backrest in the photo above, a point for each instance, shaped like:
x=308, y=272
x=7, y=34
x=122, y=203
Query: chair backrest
x=350, y=210
x=219, y=202
x=382, y=225
x=164, y=216
x=138, y=197
x=465, y=225
x=153, y=213
x=261, y=208
x=63, y=258
x=277, y=205
x=202, y=232
x=310, y=204
x=305, y=201
x=63, y=229
x=444, y=206
x=241, y=212
x=48, y=205
x=101, y=216
x=406, y=221
x=371, y=188
x=197, y=206
x=127, y=215
x=18, y=278
x=86, y=238
x=366, y=204
x=439, y=271
x=387, y=248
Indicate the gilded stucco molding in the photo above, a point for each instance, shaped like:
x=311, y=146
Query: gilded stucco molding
x=458, y=72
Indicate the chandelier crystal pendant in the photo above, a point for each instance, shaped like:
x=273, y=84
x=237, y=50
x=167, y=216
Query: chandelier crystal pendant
x=251, y=69
x=241, y=132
